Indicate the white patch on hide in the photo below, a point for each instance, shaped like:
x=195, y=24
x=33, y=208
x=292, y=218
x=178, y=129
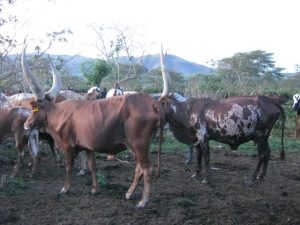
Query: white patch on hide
x=93, y=89
x=201, y=133
x=194, y=118
x=173, y=108
x=296, y=98
x=233, y=121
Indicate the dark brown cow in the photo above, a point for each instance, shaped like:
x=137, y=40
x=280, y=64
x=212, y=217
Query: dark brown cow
x=99, y=125
x=233, y=121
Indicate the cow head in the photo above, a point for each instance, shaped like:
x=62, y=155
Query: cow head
x=296, y=99
x=114, y=92
x=94, y=89
x=40, y=105
x=36, y=117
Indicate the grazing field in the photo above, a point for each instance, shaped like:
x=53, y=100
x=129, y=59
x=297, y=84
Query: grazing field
x=175, y=197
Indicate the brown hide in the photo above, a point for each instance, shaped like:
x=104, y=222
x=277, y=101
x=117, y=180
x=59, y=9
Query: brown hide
x=103, y=125
x=131, y=116
x=11, y=124
x=12, y=120
x=232, y=121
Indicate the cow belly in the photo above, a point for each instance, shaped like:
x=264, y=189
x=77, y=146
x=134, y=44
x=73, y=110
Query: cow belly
x=233, y=140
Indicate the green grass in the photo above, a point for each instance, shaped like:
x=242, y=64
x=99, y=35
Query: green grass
x=101, y=179
x=291, y=145
x=169, y=144
x=14, y=186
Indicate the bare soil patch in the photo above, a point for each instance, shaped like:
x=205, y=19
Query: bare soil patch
x=175, y=198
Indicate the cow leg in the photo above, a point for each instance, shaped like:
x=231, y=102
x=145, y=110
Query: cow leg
x=265, y=157
x=297, y=131
x=33, y=141
x=55, y=152
x=83, y=163
x=148, y=173
x=92, y=167
x=189, y=156
x=137, y=176
x=199, y=162
x=20, y=144
x=206, y=154
x=69, y=158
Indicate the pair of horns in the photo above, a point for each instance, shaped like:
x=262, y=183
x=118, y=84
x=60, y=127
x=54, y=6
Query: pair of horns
x=34, y=84
x=56, y=85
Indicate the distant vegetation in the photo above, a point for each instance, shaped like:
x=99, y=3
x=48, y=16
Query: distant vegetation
x=242, y=74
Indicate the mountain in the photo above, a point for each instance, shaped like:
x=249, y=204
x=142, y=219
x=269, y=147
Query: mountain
x=173, y=63
x=73, y=63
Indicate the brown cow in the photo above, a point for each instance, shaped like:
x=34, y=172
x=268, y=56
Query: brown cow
x=100, y=125
x=233, y=121
x=23, y=100
x=12, y=124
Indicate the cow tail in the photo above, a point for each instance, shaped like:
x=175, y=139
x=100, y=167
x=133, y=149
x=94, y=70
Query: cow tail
x=160, y=138
x=282, y=153
x=160, y=127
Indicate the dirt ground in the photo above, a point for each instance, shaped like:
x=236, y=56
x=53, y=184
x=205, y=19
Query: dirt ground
x=175, y=198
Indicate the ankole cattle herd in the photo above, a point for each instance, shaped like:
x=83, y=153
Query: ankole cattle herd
x=86, y=159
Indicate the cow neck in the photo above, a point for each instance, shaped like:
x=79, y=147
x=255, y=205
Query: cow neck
x=179, y=116
x=54, y=113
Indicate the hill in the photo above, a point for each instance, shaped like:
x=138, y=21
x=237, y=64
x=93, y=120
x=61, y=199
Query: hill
x=174, y=63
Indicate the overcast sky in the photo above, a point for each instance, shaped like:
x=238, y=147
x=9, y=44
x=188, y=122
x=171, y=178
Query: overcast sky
x=196, y=30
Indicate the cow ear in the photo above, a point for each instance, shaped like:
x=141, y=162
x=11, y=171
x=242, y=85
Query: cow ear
x=35, y=106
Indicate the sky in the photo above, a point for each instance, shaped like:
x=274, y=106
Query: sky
x=195, y=30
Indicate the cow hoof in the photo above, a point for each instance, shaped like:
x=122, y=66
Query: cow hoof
x=63, y=191
x=129, y=196
x=94, y=191
x=195, y=175
x=204, y=181
x=260, y=178
x=249, y=183
x=81, y=173
x=140, y=205
x=188, y=161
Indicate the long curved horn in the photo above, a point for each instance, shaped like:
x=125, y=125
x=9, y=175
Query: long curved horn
x=56, y=84
x=30, y=78
x=165, y=74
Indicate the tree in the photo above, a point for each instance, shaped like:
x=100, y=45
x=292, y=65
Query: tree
x=95, y=71
x=11, y=38
x=114, y=42
x=248, y=72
